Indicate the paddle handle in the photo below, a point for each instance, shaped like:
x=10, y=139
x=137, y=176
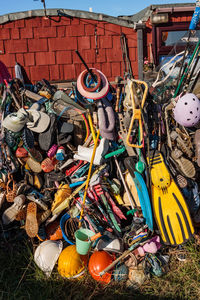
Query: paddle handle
x=133, y=247
x=95, y=237
x=114, y=262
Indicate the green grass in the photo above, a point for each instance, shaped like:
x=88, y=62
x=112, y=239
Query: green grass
x=21, y=279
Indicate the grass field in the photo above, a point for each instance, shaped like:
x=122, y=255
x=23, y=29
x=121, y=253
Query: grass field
x=20, y=279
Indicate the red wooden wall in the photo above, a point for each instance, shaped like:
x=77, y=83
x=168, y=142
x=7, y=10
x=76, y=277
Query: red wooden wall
x=46, y=47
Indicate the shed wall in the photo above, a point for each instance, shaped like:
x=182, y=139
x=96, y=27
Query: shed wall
x=46, y=47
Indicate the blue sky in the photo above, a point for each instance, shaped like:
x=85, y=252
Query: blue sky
x=110, y=7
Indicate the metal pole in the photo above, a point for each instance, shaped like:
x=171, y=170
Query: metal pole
x=89, y=71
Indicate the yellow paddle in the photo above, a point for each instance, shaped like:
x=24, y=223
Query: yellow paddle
x=89, y=175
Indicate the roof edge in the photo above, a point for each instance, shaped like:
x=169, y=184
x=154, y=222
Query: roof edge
x=185, y=4
x=68, y=13
x=144, y=14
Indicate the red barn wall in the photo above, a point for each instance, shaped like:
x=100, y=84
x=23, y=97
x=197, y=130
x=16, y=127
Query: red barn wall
x=46, y=47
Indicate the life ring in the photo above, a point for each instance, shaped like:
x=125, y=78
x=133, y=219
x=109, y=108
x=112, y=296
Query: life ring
x=93, y=95
x=87, y=76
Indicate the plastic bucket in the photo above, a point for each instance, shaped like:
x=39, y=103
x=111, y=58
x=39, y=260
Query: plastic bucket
x=82, y=243
x=63, y=220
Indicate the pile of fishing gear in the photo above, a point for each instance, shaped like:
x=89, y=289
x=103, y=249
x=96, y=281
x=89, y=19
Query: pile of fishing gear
x=103, y=177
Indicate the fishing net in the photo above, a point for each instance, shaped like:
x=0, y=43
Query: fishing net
x=177, y=71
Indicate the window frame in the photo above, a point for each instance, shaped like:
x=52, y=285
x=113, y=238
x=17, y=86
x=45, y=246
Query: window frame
x=158, y=48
